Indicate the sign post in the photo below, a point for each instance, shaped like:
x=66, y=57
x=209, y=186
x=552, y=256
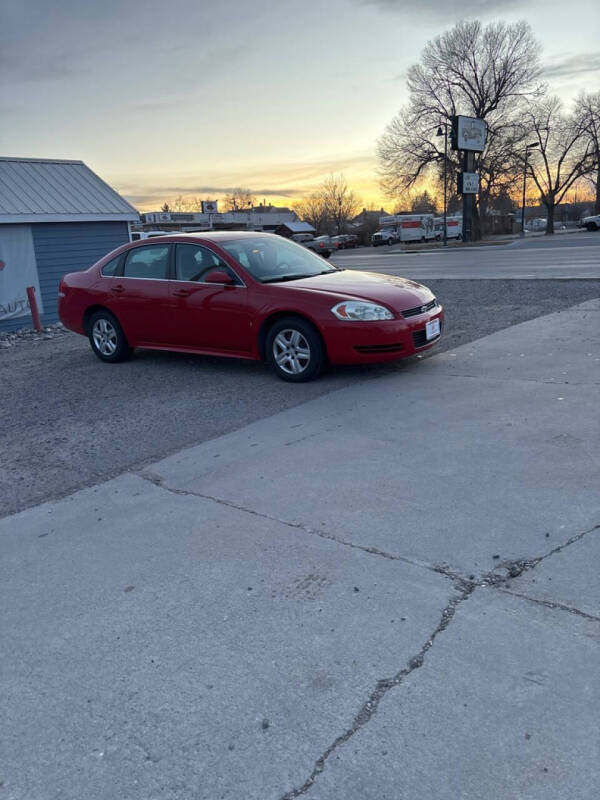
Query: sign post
x=468, y=135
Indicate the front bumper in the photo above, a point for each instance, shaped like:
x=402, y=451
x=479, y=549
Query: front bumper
x=374, y=342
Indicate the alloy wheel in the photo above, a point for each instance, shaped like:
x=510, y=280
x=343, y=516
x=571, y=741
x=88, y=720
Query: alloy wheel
x=105, y=337
x=291, y=351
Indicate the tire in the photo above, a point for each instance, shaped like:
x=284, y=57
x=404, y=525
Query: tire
x=286, y=338
x=107, y=338
x=390, y=242
x=591, y=226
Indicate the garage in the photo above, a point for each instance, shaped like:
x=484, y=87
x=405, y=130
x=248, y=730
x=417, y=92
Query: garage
x=56, y=216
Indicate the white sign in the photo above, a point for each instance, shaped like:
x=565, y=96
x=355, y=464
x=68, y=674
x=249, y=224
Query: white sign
x=470, y=183
x=18, y=270
x=209, y=206
x=471, y=133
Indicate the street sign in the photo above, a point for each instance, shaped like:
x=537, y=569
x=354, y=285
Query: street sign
x=209, y=206
x=468, y=183
x=468, y=133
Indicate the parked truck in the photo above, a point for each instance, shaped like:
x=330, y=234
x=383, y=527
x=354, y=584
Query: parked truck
x=591, y=223
x=404, y=228
x=453, y=227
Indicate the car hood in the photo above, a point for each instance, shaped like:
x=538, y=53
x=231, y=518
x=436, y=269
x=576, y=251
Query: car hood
x=391, y=290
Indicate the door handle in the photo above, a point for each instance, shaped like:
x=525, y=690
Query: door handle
x=118, y=288
x=181, y=293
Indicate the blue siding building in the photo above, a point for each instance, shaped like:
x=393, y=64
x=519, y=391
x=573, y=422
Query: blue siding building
x=55, y=217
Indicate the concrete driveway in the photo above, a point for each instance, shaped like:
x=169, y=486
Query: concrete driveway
x=387, y=592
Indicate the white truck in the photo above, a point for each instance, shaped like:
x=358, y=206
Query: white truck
x=453, y=227
x=404, y=228
x=591, y=223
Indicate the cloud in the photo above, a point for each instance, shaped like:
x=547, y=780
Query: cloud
x=569, y=66
x=291, y=180
x=441, y=8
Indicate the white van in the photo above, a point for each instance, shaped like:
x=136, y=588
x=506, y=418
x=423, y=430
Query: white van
x=137, y=235
x=453, y=227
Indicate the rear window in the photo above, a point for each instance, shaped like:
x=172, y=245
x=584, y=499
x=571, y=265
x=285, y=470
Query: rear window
x=111, y=267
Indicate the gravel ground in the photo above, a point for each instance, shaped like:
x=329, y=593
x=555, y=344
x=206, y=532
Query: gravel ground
x=70, y=421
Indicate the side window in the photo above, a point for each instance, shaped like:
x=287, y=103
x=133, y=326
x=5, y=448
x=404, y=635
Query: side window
x=147, y=262
x=193, y=262
x=239, y=254
x=111, y=268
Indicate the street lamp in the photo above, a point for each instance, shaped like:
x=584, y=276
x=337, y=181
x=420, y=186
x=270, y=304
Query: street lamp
x=527, y=149
x=445, y=135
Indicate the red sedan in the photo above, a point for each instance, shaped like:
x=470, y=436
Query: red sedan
x=246, y=295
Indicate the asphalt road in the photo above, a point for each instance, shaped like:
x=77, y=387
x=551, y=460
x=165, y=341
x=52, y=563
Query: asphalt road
x=70, y=421
x=564, y=257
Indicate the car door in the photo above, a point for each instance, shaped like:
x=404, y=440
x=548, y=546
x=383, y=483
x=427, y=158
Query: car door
x=142, y=301
x=208, y=316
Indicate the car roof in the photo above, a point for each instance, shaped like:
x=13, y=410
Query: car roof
x=216, y=236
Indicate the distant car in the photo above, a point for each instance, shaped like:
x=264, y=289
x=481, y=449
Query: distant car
x=344, y=241
x=136, y=236
x=321, y=245
x=246, y=295
x=591, y=223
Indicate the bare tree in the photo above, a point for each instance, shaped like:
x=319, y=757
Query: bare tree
x=478, y=71
x=587, y=112
x=239, y=200
x=340, y=201
x=312, y=209
x=563, y=152
x=423, y=203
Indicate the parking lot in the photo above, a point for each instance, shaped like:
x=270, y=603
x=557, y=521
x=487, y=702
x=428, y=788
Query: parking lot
x=382, y=579
x=71, y=421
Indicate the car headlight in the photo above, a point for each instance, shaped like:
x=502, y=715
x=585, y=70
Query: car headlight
x=359, y=311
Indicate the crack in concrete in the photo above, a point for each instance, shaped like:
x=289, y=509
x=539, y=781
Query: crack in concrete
x=159, y=481
x=519, y=566
x=552, y=604
x=370, y=706
x=463, y=585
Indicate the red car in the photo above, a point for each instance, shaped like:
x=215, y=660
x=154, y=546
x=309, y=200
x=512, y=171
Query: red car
x=247, y=295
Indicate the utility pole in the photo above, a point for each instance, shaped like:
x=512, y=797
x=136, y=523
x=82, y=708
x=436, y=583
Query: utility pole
x=439, y=133
x=527, y=149
x=468, y=199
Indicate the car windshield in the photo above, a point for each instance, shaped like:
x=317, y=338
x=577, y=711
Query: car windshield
x=271, y=259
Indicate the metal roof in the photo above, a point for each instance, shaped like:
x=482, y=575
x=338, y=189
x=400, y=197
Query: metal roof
x=52, y=190
x=298, y=227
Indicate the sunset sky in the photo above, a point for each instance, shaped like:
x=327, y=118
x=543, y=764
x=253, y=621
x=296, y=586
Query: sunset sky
x=195, y=97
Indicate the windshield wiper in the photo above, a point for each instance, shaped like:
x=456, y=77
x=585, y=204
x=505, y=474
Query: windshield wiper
x=280, y=278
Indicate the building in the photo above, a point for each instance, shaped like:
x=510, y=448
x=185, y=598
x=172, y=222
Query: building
x=256, y=220
x=55, y=217
x=292, y=228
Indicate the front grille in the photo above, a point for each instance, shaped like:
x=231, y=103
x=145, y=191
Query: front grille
x=379, y=348
x=412, y=312
x=420, y=338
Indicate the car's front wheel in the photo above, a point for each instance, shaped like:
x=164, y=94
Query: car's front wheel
x=107, y=338
x=294, y=350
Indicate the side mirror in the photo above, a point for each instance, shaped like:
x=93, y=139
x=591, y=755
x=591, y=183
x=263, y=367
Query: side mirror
x=218, y=276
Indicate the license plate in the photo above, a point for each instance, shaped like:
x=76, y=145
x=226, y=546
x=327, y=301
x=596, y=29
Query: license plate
x=432, y=329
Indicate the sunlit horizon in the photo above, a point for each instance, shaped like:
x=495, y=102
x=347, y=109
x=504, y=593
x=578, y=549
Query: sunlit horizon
x=189, y=104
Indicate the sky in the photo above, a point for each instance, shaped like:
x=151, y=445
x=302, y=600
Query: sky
x=191, y=97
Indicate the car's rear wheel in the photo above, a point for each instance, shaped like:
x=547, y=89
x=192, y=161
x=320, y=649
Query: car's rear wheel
x=294, y=350
x=591, y=226
x=107, y=338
